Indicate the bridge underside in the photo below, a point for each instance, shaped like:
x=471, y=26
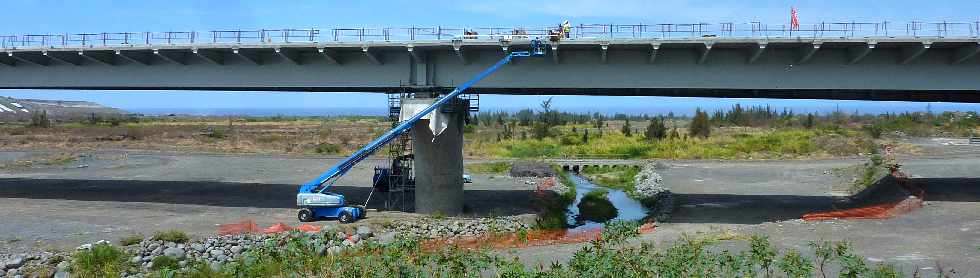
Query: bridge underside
x=857, y=69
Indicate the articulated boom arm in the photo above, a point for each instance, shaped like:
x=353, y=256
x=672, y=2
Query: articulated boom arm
x=324, y=181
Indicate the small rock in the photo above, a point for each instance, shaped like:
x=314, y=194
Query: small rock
x=216, y=266
x=217, y=252
x=198, y=247
x=2, y=273
x=136, y=260
x=13, y=272
x=236, y=249
x=387, y=237
x=61, y=274
x=364, y=231
x=14, y=262
x=174, y=252
x=222, y=258
x=63, y=266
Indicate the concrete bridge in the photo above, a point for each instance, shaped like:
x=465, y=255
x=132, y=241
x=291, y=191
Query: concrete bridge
x=906, y=66
x=826, y=61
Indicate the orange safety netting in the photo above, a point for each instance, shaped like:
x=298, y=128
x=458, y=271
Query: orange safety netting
x=244, y=227
x=308, y=228
x=879, y=211
x=277, y=228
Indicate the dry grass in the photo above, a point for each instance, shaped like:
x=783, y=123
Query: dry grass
x=209, y=135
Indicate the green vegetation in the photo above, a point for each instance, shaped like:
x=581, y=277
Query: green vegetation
x=869, y=173
x=595, y=206
x=175, y=236
x=298, y=254
x=130, y=240
x=488, y=167
x=552, y=213
x=164, y=262
x=613, y=177
x=736, y=133
x=40, y=120
x=700, y=125
x=102, y=260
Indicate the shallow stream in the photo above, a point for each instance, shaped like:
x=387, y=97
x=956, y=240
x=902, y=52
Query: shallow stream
x=628, y=208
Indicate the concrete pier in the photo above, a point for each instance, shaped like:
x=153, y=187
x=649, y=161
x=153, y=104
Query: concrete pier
x=438, y=164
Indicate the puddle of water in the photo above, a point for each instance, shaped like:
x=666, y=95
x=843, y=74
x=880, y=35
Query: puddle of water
x=628, y=208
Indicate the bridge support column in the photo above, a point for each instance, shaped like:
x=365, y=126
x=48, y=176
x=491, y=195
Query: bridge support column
x=439, y=163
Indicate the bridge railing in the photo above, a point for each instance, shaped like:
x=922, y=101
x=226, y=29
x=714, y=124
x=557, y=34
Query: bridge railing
x=884, y=29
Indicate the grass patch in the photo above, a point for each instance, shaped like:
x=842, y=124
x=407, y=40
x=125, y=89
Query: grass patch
x=488, y=167
x=164, y=262
x=552, y=213
x=870, y=173
x=613, y=177
x=130, y=240
x=764, y=144
x=103, y=260
x=175, y=236
x=595, y=206
x=297, y=255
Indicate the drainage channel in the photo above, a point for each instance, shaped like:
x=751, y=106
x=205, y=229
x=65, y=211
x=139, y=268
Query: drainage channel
x=626, y=208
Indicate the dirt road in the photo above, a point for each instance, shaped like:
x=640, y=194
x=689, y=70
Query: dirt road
x=107, y=195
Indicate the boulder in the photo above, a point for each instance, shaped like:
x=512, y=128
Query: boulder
x=174, y=252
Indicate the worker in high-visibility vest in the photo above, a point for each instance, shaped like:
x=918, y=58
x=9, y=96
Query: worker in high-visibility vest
x=566, y=28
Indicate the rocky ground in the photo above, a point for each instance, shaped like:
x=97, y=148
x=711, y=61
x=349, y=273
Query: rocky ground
x=55, y=208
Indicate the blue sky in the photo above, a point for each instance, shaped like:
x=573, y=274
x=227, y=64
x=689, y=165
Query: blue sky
x=46, y=16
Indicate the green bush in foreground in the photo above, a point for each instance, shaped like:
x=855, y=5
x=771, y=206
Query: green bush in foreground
x=301, y=255
x=175, y=236
x=102, y=260
x=164, y=262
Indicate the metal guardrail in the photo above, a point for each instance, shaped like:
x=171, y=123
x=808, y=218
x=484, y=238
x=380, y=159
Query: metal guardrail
x=915, y=29
x=974, y=141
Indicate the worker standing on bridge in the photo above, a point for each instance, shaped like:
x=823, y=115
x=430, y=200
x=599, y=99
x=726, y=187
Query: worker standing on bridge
x=566, y=29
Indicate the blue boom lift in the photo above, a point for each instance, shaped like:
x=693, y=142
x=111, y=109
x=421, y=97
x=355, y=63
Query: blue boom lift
x=314, y=199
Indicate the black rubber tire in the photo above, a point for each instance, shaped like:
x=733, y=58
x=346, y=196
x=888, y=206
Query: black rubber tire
x=305, y=215
x=346, y=217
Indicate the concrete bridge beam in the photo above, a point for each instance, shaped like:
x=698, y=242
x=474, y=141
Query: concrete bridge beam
x=329, y=54
x=808, y=51
x=64, y=59
x=756, y=53
x=173, y=57
x=705, y=50
x=912, y=52
x=210, y=56
x=964, y=53
x=251, y=58
x=654, y=50
x=374, y=57
x=554, y=54
x=289, y=56
x=138, y=57
x=859, y=52
x=101, y=58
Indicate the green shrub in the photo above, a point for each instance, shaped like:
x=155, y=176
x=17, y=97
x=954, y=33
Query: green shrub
x=595, y=206
x=762, y=253
x=175, y=236
x=130, y=240
x=164, y=262
x=102, y=260
x=795, y=265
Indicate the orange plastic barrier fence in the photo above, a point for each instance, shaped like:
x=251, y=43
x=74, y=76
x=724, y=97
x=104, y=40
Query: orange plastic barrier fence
x=880, y=211
x=244, y=227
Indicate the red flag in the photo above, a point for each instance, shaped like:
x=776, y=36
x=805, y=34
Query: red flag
x=794, y=22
